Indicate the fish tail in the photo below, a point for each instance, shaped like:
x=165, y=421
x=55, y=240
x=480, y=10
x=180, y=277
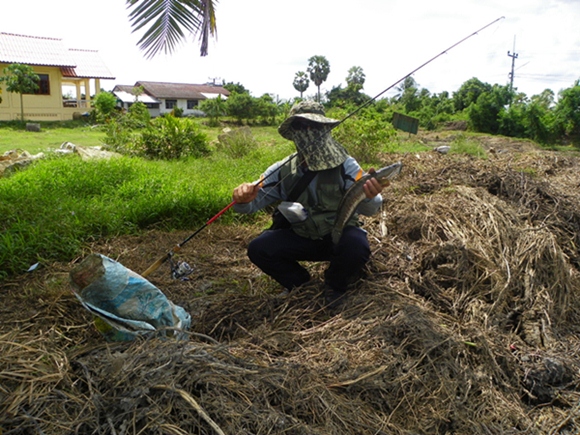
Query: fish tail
x=336, y=235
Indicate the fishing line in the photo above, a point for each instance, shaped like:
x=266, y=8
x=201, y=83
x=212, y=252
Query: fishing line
x=326, y=130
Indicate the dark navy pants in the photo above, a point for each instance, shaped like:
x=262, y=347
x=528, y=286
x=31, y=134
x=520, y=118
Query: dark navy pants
x=278, y=252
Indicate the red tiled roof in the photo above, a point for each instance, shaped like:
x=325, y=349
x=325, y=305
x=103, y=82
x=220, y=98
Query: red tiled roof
x=180, y=90
x=33, y=50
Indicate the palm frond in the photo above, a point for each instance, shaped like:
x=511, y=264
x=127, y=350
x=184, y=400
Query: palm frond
x=166, y=22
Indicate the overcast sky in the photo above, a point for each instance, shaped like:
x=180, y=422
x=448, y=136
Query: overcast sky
x=263, y=43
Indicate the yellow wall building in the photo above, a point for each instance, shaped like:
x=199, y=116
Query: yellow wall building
x=68, y=78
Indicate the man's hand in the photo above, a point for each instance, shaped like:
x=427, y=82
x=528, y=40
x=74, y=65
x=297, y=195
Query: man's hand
x=372, y=187
x=245, y=192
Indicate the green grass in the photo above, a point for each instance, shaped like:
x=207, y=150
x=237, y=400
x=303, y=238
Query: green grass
x=57, y=204
x=13, y=135
x=54, y=206
x=463, y=145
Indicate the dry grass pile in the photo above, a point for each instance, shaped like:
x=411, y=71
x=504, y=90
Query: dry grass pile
x=467, y=323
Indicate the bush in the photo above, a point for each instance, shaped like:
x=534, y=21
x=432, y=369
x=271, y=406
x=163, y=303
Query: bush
x=168, y=137
x=214, y=108
x=138, y=115
x=241, y=106
x=237, y=143
x=105, y=106
x=365, y=135
x=118, y=137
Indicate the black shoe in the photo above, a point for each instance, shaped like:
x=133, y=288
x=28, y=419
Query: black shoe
x=334, y=298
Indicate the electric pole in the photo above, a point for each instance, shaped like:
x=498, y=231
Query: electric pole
x=514, y=56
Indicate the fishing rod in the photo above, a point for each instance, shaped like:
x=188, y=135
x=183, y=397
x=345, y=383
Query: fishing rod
x=186, y=269
x=414, y=71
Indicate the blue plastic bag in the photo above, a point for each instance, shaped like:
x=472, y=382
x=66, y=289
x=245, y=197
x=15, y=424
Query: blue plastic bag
x=125, y=304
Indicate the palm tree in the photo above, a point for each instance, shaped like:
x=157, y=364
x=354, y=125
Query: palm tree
x=356, y=78
x=408, y=83
x=301, y=82
x=165, y=22
x=319, y=68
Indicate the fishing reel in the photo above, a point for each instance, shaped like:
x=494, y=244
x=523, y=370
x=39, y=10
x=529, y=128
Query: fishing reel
x=180, y=269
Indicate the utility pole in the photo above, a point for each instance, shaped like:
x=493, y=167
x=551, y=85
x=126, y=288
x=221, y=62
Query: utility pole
x=514, y=56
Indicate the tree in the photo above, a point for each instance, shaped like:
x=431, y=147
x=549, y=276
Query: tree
x=469, y=92
x=238, y=88
x=408, y=83
x=105, y=104
x=339, y=97
x=544, y=99
x=267, y=109
x=137, y=91
x=166, y=22
x=567, y=112
x=408, y=95
x=138, y=115
x=356, y=78
x=485, y=114
x=214, y=108
x=20, y=79
x=241, y=106
x=301, y=82
x=318, y=68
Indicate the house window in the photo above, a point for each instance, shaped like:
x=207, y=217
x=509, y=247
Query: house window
x=192, y=104
x=43, y=85
x=170, y=104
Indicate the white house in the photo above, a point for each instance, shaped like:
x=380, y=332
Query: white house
x=161, y=97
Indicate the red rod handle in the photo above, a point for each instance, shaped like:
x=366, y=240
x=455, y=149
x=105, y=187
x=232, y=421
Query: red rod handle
x=220, y=213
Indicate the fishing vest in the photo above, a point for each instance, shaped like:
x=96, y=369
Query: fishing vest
x=321, y=206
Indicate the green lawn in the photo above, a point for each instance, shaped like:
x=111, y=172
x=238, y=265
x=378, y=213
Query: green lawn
x=52, y=135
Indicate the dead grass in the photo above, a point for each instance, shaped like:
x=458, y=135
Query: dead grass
x=467, y=323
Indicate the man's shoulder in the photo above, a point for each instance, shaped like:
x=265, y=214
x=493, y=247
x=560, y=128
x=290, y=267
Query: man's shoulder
x=351, y=168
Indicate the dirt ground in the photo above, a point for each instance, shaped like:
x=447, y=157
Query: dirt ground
x=467, y=321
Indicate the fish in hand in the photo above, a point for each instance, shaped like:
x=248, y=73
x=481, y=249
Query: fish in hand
x=355, y=194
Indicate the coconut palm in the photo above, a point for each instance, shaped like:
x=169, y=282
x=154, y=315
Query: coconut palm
x=319, y=68
x=165, y=23
x=301, y=82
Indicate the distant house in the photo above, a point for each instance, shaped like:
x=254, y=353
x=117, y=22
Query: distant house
x=58, y=68
x=126, y=97
x=161, y=97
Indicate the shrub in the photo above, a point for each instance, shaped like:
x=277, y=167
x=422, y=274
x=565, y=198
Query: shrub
x=105, y=105
x=241, y=106
x=118, y=137
x=138, y=115
x=214, y=108
x=177, y=112
x=237, y=143
x=168, y=137
x=364, y=135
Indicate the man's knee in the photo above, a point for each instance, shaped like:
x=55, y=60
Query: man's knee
x=355, y=244
x=256, y=249
x=265, y=246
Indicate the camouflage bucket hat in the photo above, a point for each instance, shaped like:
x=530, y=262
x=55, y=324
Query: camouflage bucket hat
x=307, y=109
x=316, y=146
